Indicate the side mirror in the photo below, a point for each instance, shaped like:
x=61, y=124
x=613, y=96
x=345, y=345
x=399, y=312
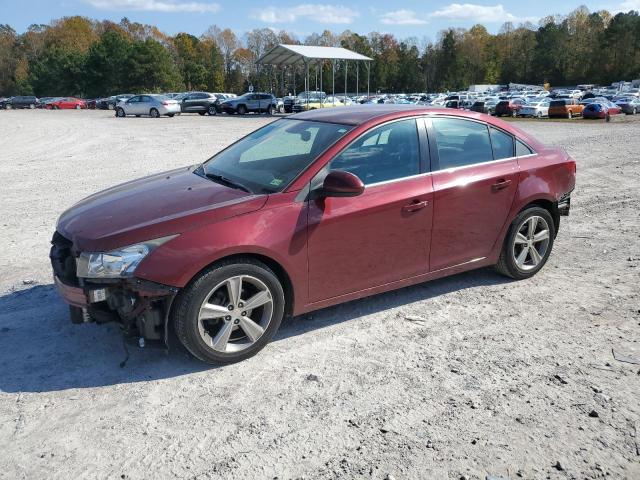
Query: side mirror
x=341, y=184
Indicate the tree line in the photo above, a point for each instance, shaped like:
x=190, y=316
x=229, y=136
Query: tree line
x=83, y=57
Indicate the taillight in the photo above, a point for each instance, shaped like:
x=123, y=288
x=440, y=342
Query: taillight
x=165, y=103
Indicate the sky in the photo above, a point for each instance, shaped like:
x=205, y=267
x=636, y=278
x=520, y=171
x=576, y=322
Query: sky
x=405, y=18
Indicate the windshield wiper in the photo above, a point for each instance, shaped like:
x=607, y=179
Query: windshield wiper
x=226, y=181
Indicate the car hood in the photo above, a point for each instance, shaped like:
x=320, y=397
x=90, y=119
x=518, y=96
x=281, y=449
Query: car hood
x=152, y=207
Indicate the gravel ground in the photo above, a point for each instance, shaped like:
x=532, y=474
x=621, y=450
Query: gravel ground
x=489, y=378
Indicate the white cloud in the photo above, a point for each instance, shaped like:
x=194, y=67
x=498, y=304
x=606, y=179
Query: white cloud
x=401, y=17
x=169, y=6
x=628, y=5
x=478, y=13
x=318, y=13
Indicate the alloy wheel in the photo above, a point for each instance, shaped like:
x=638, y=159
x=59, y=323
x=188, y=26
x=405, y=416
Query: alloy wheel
x=531, y=243
x=235, y=314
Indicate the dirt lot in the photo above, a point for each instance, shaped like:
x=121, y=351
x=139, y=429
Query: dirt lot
x=500, y=379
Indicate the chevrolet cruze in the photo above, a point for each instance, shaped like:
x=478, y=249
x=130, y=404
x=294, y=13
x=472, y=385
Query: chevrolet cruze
x=309, y=211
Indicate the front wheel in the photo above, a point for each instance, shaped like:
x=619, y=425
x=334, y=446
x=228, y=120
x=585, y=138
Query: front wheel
x=230, y=311
x=514, y=113
x=528, y=244
x=120, y=112
x=242, y=110
x=77, y=107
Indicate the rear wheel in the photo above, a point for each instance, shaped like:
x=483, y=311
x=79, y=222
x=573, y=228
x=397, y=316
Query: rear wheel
x=32, y=106
x=607, y=118
x=77, y=107
x=230, y=311
x=270, y=110
x=528, y=244
x=570, y=115
x=635, y=110
x=120, y=112
x=154, y=113
x=242, y=110
x=539, y=115
x=110, y=106
x=212, y=110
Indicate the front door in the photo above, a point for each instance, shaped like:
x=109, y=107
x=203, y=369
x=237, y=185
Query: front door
x=474, y=189
x=378, y=237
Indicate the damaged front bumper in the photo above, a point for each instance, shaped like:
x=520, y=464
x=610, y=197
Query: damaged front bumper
x=141, y=307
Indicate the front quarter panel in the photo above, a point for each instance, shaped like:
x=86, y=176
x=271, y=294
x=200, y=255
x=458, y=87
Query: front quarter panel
x=278, y=231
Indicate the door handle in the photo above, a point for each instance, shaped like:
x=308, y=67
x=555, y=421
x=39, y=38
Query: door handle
x=500, y=184
x=415, y=206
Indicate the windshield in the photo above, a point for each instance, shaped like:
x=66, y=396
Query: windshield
x=267, y=160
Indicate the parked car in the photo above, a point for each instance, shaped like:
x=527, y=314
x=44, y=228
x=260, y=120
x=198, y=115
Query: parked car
x=565, y=108
x=65, y=103
x=603, y=110
x=537, y=109
x=152, y=105
x=287, y=103
x=110, y=103
x=250, y=102
x=200, y=102
x=509, y=108
x=484, y=106
x=4, y=101
x=629, y=105
x=304, y=213
x=23, y=101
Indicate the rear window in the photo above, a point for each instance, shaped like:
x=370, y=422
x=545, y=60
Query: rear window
x=557, y=103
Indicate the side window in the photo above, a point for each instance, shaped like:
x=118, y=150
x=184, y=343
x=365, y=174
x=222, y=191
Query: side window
x=522, y=149
x=502, y=144
x=133, y=100
x=145, y=99
x=461, y=142
x=388, y=152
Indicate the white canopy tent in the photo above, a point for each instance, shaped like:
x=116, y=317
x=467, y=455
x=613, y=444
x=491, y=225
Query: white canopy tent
x=290, y=55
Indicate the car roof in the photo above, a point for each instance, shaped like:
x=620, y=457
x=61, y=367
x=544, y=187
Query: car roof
x=360, y=114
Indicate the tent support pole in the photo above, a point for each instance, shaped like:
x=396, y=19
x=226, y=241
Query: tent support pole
x=321, y=71
x=368, y=79
x=346, y=76
x=357, y=79
x=306, y=86
x=333, y=80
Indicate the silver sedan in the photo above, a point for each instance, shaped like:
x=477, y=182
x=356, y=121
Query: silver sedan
x=152, y=105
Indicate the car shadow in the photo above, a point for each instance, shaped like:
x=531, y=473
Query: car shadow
x=41, y=350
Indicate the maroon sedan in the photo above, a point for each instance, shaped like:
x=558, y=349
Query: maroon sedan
x=309, y=211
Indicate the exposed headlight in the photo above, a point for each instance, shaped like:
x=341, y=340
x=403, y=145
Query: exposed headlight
x=118, y=263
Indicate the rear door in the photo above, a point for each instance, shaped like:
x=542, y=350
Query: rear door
x=253, y=103
x=474, y=185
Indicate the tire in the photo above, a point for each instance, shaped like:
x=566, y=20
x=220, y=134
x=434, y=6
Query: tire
x=154, y=113
x=634, y=111
x=170, y=115
x=242, y=110
x=137, y=116
x=269, y=110
x=212, y=110
x=570, y=115
x=514, y=113
x=210, y=288
x=510, y=264
x=77, y=107
x=9, y=107
x=539, y=115
x=607, y=118
x=120, y=113
x=31, y=106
